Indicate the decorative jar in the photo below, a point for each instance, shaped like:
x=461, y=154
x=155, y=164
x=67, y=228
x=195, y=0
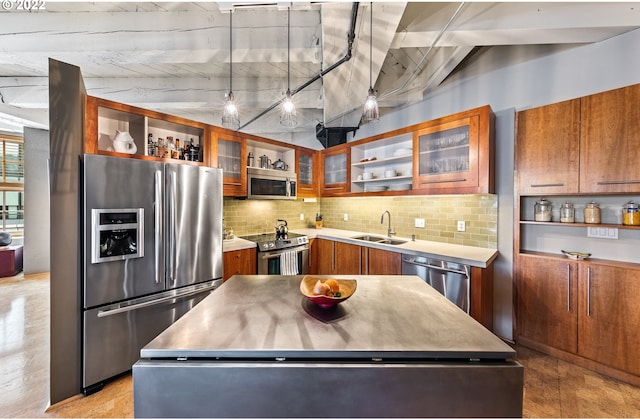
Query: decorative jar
x=567, y=213
x=592, y=213
x=631, y=214
x=542, y=210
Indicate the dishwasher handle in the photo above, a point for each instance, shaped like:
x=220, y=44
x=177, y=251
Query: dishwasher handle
x=412, y=261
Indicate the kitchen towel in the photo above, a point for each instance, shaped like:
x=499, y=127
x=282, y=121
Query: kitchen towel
x=289, y=263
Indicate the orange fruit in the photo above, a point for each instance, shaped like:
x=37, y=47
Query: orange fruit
x=333, y=284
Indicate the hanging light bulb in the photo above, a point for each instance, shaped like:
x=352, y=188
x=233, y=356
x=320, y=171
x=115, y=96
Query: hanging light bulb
x=371, y=112
x=230, y=117
x=288, y=117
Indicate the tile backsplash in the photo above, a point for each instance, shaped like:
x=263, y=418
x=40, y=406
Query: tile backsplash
x=441, y=214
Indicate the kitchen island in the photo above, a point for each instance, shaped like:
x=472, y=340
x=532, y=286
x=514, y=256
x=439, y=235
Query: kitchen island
x=256, y=347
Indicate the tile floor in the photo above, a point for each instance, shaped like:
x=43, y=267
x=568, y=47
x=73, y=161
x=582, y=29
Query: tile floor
x=553, y=388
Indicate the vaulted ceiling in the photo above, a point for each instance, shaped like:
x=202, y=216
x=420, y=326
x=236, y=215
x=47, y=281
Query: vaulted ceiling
x=174, y=57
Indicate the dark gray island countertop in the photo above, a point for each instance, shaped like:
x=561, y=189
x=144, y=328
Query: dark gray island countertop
x=389, y=317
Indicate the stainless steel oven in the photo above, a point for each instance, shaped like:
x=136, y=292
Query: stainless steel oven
x=288, y=255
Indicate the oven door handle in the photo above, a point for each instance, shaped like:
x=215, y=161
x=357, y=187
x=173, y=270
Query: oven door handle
x=276, y=254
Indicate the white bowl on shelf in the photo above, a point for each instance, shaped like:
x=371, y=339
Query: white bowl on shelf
x=390, y=173
x=367, y=176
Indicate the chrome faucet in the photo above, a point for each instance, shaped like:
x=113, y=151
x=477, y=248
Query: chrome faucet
x=389, y=230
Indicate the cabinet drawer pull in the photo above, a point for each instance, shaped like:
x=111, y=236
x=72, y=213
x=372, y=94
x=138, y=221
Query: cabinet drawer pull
x=444, y=181
x=618, y=182
x=546, y=185
x=233, y=183
x=589, y=292
x=568, y=287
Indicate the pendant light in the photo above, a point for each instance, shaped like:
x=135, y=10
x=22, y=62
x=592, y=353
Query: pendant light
x=371, y=112
x=288, y=117
x=230, y=118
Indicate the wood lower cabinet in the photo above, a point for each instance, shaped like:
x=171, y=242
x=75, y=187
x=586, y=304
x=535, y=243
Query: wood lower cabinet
x=240, y=262
x=382, y=262
x=336, y=258
x=333, y=257
x=582, y=311
x=609, y=315
x=547, y=301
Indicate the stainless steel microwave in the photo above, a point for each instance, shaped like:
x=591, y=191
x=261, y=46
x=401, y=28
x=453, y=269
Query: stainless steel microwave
x=270, y=184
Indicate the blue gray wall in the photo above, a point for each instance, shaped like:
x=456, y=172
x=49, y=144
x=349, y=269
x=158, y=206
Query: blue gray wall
x=511, y=79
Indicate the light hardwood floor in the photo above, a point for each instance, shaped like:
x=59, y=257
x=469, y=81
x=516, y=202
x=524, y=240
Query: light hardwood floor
x=553, y=388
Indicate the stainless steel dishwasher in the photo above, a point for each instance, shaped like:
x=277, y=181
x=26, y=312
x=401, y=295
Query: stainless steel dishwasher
x=448, y=278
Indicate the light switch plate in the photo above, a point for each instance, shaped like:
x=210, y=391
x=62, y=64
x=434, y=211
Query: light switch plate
x=345, y=217
x=462, y=226
x=419, y=223
x=602, y=233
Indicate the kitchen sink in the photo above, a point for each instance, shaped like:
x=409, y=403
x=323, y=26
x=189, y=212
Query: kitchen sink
x=378, y=239
x=393, y=242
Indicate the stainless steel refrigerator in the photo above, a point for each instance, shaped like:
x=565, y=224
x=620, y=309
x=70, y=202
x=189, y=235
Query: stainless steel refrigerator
x=152, y=251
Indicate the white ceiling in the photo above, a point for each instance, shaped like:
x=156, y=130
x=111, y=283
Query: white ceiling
x=174, y=57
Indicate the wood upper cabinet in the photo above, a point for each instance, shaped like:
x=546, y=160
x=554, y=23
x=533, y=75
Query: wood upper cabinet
x=610, y=141
x=547, y=149
x=240, y=262
x=335, y=171
x=229, y=153
x=307, y=171
x=546, y=293
x=455, y=154
x=609, y=316
x=168, y=133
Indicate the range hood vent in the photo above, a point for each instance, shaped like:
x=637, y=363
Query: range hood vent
x=330, y=137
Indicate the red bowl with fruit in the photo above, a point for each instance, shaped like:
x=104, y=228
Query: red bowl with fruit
x=325, y=291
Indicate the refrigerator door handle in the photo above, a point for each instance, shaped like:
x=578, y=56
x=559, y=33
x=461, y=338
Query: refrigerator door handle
x=173, y=271
x=158, y=228
x=149, y=303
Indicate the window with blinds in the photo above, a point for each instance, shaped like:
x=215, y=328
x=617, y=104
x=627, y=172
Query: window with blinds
x=11, y=184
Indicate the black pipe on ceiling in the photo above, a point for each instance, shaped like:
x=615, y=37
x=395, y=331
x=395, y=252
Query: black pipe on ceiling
x=350, y=38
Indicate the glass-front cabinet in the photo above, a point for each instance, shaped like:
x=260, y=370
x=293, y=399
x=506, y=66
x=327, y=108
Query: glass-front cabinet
x=306, y=162
x=455, y=154
x=335, y=171
x=231, y=158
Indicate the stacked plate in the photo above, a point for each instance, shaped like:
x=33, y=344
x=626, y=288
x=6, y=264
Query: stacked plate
x=377, y=188
x=400, y=187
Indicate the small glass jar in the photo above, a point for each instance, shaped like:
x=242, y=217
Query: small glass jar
x=567, y=213
x=631, y=214
x=592, y=213
x=542, y=210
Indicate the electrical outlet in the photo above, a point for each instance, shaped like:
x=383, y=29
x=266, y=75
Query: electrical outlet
x=301, y=217
x=462, y=226
x=345, y=217
x=419, y=223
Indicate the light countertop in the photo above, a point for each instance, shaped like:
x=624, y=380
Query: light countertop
x=468, y=255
